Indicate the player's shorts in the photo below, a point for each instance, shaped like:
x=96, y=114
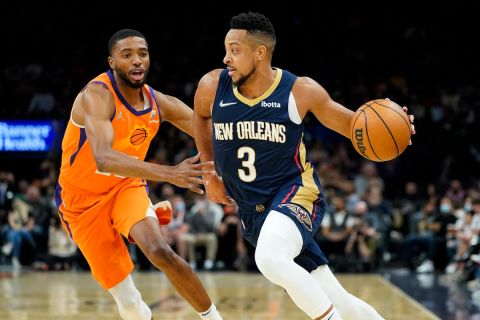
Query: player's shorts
x=307, y=221
x=96, y=222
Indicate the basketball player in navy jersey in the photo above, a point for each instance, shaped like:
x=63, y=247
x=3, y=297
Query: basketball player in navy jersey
x=254, y=114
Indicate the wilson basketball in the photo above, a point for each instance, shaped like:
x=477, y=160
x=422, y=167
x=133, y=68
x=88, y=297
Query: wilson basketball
x=138, y=136
x=380, y=130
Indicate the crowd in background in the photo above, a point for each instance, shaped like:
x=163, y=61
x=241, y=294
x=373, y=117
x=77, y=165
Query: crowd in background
x=420, y=211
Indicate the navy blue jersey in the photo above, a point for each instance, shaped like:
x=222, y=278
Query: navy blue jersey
x=258, y=146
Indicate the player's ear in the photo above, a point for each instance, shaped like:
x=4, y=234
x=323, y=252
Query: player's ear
x=111, y=63
x=261, y=52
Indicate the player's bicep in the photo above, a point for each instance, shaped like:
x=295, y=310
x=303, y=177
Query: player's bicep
x=205, y=94
x=98, y=110
x=176, y=112
x=314, y=98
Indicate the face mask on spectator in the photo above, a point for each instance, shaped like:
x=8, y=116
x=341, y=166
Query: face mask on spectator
x=444, y=208
x=467, y=207
x=180, y=206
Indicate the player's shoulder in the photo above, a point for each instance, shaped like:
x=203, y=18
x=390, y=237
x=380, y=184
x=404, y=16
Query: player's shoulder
x=98, y=92
x=304, y=85
x=210, y=79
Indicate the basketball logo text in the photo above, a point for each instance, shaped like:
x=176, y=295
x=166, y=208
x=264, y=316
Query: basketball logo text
x=359, y=141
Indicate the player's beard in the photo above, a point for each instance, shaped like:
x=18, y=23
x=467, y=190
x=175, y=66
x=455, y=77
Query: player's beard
x=244, y=78
x=130, y=83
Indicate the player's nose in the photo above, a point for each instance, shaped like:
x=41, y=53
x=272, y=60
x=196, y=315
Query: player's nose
x=136, y=60
x=226, y=58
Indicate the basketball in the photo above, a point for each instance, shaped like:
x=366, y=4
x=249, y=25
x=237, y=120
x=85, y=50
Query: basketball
x=138, y=136
x=380, y=130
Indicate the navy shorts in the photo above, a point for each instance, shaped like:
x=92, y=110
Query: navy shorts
x=253, y=217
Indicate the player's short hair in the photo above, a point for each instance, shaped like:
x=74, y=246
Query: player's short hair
x=257, y=25
x=122, y=34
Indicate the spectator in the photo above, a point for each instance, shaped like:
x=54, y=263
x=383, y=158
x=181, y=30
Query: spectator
x=336, y=228
x=204, y=219
x=364, y=238
x=174, y=232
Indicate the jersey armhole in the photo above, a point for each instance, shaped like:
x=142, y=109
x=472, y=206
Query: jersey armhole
x=292, y=110
x=152, y=93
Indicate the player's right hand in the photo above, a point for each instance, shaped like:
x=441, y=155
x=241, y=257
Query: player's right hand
x=216, y=190
x=187, y=174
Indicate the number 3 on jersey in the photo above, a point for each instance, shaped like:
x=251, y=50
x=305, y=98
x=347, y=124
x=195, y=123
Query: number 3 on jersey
x=249, y=155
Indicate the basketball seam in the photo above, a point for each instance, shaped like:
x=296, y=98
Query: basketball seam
x=391, y=134
x=408, y=125
x=368, y=136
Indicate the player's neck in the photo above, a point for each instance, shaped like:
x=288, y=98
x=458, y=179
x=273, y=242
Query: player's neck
x=258, y=83
x=133, y=96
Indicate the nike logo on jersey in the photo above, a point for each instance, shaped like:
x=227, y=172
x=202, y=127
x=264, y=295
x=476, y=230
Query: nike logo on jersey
x=226, y=104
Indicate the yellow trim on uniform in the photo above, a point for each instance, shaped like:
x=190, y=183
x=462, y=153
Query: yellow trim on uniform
x=252, y=102
x=308, y=193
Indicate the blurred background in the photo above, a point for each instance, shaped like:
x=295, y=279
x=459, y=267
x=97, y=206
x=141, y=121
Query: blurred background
x=417, y=214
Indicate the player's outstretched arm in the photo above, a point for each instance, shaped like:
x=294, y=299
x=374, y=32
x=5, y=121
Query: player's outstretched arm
x=94, y=109
x=312, y=97
x=202, y=124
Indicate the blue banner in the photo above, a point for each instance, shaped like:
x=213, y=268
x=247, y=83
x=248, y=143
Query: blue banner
x=27, y=135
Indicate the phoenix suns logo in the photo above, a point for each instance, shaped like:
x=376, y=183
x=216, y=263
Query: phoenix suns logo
x=138, y=136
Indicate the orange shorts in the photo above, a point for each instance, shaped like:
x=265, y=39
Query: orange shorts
x=96, y=222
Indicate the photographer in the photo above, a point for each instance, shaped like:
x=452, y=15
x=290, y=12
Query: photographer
x=364, y=239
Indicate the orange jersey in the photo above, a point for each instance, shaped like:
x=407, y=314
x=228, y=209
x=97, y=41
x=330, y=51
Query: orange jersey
x=133, y=132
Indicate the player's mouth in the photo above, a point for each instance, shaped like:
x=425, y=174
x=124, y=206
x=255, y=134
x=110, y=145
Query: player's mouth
x=231, y=71
x=137, y=74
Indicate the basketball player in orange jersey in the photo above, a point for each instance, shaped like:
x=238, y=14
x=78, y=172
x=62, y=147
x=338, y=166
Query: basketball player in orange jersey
x=102, y=194
x=254, y=113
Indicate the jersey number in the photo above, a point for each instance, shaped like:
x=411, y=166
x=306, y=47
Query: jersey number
x=248, y=163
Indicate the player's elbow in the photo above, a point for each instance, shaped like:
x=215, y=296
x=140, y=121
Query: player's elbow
x=101, y=160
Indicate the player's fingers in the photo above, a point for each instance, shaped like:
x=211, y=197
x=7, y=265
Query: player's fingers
x=195, y=188
x=207, y=164
x=194, y=158
x=387, y=98
x=196, y=180
x=411, y=118
x=208, y=172
x=405, y=109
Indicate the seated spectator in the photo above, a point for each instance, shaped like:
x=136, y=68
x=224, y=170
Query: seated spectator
x=336, y=228
x=228, y=249
x=204, y=218
x=431, y=236
x=18, y=234
x=174, y=232
x=61, y=249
